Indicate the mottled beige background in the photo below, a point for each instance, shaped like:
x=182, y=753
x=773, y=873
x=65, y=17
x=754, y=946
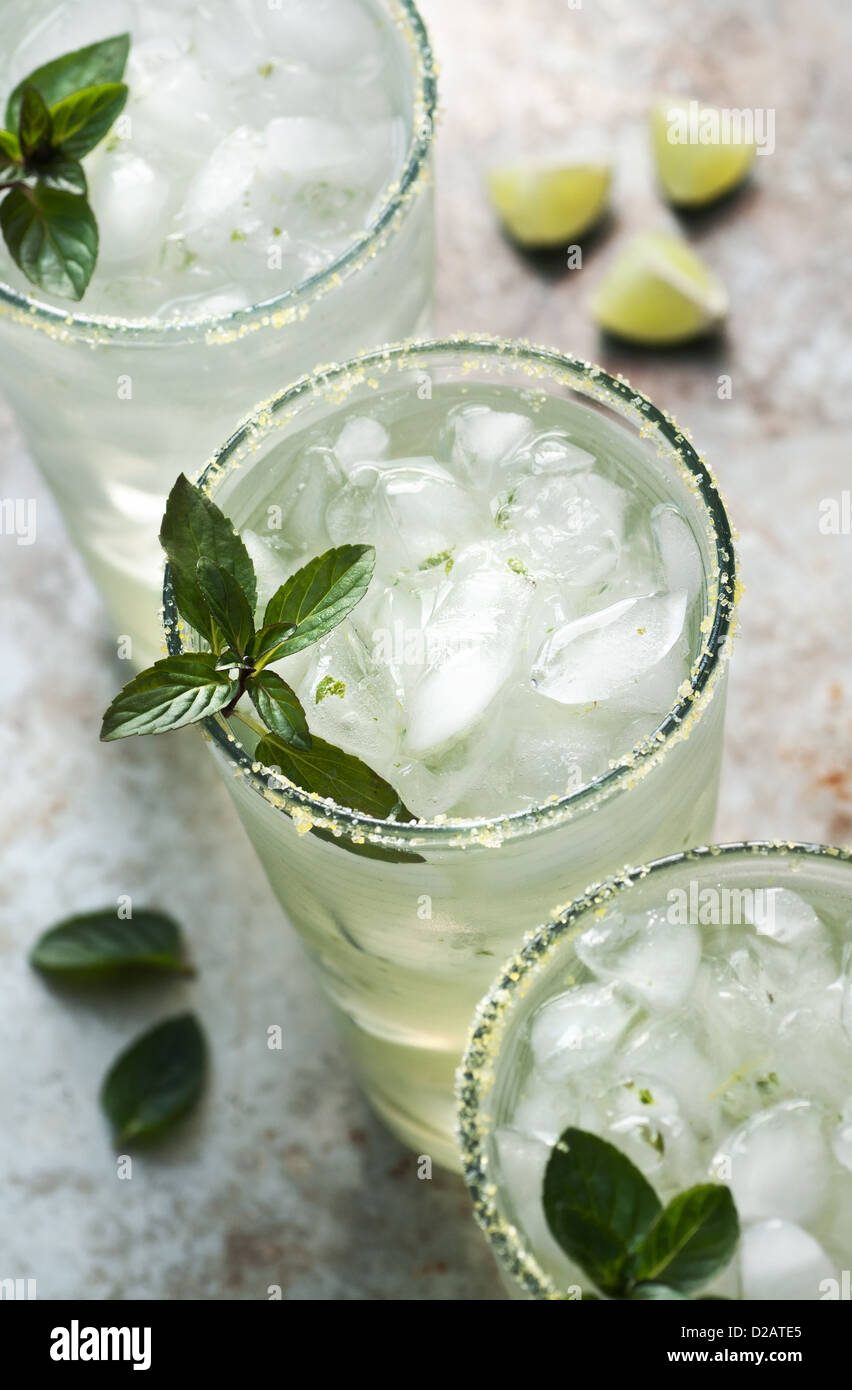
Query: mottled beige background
x=285, y=1178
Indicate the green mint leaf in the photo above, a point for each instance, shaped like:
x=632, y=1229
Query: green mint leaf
x=325, y=770
x=193, y=527
x=58, y=172
x=95, y=943
x=80, y=121
x=52, y=237
x=598, y=1206
x=322, y=593
x=279, y=708
x=656, y=1292
x=85, y=67
x=156, y=1080
x=175, y=691
x=691, y=1240
x=269, y=643
x=227, y=604
x=34, y=124
x=11, y=160
x=10, y=146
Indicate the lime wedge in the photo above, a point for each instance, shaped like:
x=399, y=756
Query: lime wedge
x=548, y=204
x=691, y=171
x=659, y=292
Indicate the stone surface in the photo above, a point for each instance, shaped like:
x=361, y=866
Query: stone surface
x=284, y=1178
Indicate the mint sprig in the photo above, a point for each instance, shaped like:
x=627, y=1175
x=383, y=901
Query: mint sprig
x=610, y=1221
x=55, y=117
x=215, y=591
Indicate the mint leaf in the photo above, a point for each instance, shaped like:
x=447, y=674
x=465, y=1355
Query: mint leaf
x=193, y=527
x=598, y=1206
x=91, y=66
x=655, y=1292
x=227, y=604
x=322, y=593
x=98, y=942
x=156, y=1080
x=81, y=120
x=691, y=1240
x=10, y=146
x=175, y=691
x=327, y=771
x=52, y=237
x=11, y=166
x=34, y=123
x=269, y=643
x=279, y=708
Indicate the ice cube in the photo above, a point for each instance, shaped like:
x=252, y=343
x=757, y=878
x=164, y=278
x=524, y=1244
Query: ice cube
x=554, y=453
x=130, y=199
x=484, y=439
x=787, y=918
x=678, y=551
x=652, y=959
x=546, y=1110
x=330, y=35
x=777, y=1163
x=350, y=699
x=566, y=524
x=362, y=439
x=312, y=148
x=607, y=652
x=471, y=649
x=216, y=199
x=578, y=1029
x=646, y=1121
x=272, y=565
x=173, y=100
x=672, y=1050
x=781, y=1262
x=813, y=1054
x=304, y=495
x=412, y=510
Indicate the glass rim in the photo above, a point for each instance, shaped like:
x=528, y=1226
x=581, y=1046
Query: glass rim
x=476, y=1072
x=693, y=695
x=293, y=303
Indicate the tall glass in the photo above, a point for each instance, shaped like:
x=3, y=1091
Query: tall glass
x=496, y=1075
x=404, y=949
x=113, y=409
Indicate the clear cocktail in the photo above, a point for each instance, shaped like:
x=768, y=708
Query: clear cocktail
x=263, y=202
x=696, y=1014
x=536, y=668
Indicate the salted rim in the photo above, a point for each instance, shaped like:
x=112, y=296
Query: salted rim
x=477, y=1070
x=294, y=303
x=334, y=383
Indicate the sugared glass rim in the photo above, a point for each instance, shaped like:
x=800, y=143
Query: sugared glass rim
x=294, y=303
x=539, y=364
x=477, y=1070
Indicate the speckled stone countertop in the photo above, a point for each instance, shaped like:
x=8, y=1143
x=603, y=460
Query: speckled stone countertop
x=284, y=1177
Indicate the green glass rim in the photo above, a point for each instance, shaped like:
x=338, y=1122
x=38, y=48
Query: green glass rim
x=478, y=1068
x=693, y=695
x=287, y=306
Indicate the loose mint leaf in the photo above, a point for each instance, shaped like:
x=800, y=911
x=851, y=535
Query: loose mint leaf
x=598, y=1206
x=64, y=174
x=325, y=770
x=322, y=593
x=95, y=943
x=175, y=691
x=656, y=1292
x=81, y=120
x=156, y=1080
x=268, y=644
x=85, y=67
x=52, y=237
x=193, y=527
x=227, y=604
x=280, y=710
x=34, y=123
x=691, y=1240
